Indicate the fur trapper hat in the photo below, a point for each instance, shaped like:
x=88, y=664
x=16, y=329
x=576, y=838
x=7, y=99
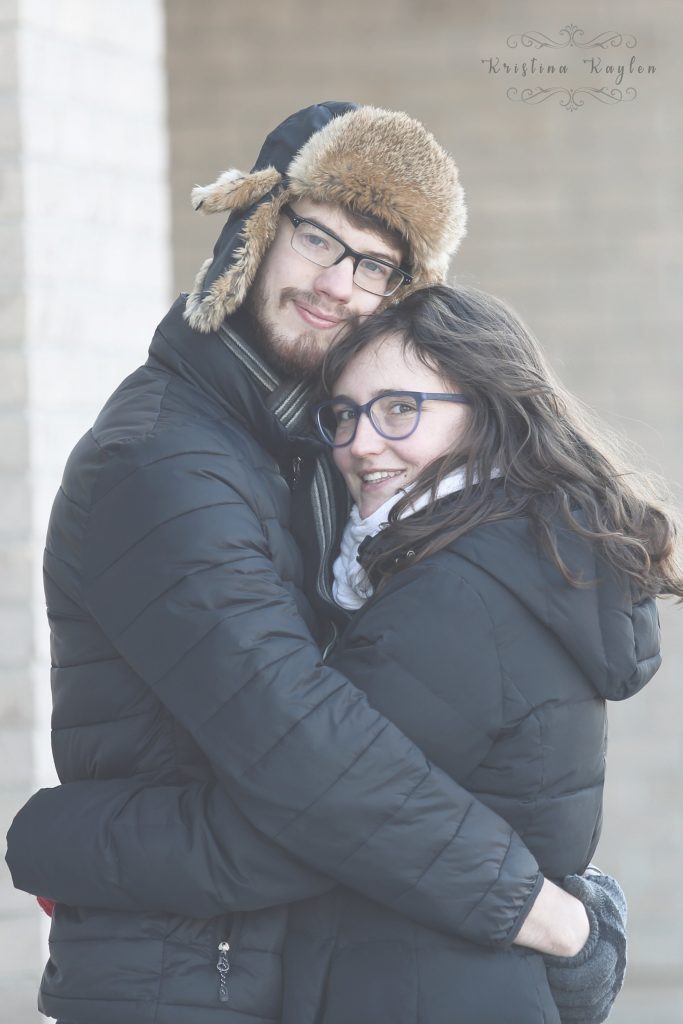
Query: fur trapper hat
x=373, y=161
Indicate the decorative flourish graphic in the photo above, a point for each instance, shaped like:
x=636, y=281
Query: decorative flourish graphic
x=571, y=99
x=571, y=67
x=573, y=37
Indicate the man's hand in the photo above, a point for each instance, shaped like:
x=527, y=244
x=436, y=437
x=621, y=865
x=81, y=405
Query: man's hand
x=557, y=923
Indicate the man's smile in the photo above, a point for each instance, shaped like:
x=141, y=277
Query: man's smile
x=311, y=315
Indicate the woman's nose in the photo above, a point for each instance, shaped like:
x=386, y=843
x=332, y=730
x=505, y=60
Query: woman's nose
x=367, y=441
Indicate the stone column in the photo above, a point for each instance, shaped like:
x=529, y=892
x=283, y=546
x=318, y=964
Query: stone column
x=84, y=278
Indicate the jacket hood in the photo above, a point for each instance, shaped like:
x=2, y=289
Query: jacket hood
x=373, y=161
x=612, y=633
x=224, y=278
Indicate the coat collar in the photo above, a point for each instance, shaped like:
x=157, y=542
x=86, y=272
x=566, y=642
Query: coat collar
x=233, y=376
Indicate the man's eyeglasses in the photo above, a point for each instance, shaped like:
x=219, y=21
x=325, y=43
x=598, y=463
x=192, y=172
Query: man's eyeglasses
x=394, y=415
x=322, y=247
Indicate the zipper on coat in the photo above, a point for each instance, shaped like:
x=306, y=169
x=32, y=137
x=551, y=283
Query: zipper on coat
x=331, y=642
x=223, y=966
x=295, y=472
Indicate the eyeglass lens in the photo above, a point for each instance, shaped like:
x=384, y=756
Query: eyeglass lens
x=319, y=247
x=393, y=416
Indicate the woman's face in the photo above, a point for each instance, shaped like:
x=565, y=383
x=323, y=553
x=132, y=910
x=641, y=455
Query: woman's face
x=373, y=467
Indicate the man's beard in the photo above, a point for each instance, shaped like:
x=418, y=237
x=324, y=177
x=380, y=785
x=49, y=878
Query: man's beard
x=300, y=356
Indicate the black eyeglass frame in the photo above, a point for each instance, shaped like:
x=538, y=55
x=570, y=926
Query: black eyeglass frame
x=418, y=396
x=296, y=220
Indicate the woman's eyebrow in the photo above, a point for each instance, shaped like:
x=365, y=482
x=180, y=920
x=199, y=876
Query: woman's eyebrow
x=378, y=393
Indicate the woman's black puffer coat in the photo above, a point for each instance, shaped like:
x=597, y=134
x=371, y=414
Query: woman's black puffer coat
x=498, y=669
x=180, y=658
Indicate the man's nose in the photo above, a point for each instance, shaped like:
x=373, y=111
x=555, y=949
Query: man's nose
x=367, y=441
x=336, y=282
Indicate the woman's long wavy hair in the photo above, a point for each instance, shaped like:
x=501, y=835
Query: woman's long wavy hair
x=529, y=448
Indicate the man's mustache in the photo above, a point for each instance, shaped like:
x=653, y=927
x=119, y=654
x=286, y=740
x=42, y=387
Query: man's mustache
x=312, y=300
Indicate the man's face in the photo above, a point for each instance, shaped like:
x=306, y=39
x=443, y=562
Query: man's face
x=299, y=308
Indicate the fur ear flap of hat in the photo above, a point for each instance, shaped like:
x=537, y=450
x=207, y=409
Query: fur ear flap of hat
x=235, y=190
x=206, y=309
x=373, y=161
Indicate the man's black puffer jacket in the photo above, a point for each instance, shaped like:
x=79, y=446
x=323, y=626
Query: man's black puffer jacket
x=180, y=657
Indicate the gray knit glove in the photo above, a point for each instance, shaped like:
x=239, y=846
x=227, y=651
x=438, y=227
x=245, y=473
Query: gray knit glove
x=585, y=986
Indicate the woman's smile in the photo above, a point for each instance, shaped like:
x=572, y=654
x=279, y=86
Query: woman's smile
x=384, y=482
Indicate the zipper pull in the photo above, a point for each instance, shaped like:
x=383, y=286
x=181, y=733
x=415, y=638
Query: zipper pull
x=332, y=642
x=223, y=966
x=295, y=474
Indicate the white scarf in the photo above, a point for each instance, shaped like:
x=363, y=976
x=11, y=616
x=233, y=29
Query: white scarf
x=351, y=587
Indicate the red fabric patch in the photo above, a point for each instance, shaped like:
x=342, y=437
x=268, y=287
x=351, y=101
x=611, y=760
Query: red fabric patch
x=47, y=905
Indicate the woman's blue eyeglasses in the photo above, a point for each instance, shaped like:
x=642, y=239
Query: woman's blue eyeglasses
x=394, y=415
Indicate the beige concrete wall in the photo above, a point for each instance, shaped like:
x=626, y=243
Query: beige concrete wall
x=84, y=277
x=575, y=219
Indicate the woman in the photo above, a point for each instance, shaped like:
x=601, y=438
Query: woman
x=494, y=558
x=503, y=563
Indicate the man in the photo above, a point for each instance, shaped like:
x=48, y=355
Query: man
x=216, y=769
